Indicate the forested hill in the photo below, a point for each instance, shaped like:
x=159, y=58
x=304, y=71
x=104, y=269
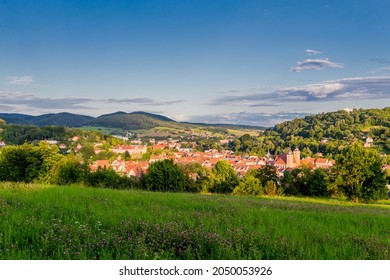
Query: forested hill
x=135, y=120
x=60, y=119
x=16, y=134
x=338, y=124
x=127, y=121
x=341, y=127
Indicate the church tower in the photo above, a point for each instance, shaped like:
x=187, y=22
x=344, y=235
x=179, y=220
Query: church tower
x=289, y=159
x=297, y=156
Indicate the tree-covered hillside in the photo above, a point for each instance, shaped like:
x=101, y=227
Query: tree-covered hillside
x=14, y=134
x=338, y=124
x=133, y=121
x=326, y=132
x=60, y=119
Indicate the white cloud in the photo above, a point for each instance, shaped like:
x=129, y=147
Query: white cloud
x=32, y=101
x=312, y=52
x=315, y=64
x=20, y=81
x=381, y=69
x=359, y=88
x=169, y=102
x=11, y=101
x=143, y=101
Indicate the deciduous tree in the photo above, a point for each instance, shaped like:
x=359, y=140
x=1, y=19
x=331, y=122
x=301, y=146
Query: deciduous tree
x=165, y=176
x=249, y=185
x=358, y=173
x=224, y=179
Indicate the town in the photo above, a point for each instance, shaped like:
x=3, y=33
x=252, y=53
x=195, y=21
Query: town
x=172, y=150
x=293, y=158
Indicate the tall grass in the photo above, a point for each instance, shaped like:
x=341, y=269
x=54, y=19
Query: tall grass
x=76, y=222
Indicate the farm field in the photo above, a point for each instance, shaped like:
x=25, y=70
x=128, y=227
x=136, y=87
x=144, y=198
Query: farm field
x=104, y=130
x=41, y=222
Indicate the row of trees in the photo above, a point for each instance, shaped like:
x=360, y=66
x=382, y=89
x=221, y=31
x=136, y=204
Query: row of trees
x=357, y=174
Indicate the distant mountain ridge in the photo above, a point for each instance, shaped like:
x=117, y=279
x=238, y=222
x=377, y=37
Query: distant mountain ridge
x=128, y=121
x=133, y=121
x=60, y=119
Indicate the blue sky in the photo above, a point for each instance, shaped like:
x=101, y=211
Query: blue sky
x=255, y=62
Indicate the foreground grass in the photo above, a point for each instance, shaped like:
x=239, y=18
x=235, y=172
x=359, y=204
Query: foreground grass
x=85, y=223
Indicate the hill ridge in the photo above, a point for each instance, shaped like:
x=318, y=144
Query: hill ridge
x=120, y=119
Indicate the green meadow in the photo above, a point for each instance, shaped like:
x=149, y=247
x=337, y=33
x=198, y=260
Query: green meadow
x=41, y=222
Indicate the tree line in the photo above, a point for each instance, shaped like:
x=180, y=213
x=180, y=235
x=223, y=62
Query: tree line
x=357, y=175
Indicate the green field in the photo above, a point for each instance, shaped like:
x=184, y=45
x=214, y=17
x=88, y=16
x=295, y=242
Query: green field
x=241, y=132
x=86, y=223
x=105, y=130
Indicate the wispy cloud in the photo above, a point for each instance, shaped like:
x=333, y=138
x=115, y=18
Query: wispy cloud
x=5, y=108
x=381, y=60
x=359, y=88
x=130, y=100
x=315, y=64
x=263, y=105
x=29, y=100
x=143, y=101
x=162, y=103
x=312, y=52
x=32, y=101
x=246, y=118
x=379, y=70
x=20, y=81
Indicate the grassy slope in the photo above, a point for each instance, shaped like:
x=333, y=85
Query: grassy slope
x=87, y=223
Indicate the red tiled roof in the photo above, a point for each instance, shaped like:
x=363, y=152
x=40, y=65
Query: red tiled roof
x=321, y=161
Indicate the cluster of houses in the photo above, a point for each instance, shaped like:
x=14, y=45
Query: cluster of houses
x=182, y=154
x=241, y=164
x=123, y=167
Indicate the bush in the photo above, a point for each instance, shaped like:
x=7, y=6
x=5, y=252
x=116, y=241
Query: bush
x=28, y=163
x=108, y=178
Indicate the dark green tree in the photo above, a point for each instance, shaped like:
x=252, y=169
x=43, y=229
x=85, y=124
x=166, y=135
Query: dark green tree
x=288, y=182
x=317, y=183
x=13, y=163
x=87, y=152
x=358, y=173
x=198, y=177
x=165, y=176
x=68, y=170
x=267, y=173
x=305, y=181
x=224, y=179
x=127, y=156
x=249, y=185
x=108, y=178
